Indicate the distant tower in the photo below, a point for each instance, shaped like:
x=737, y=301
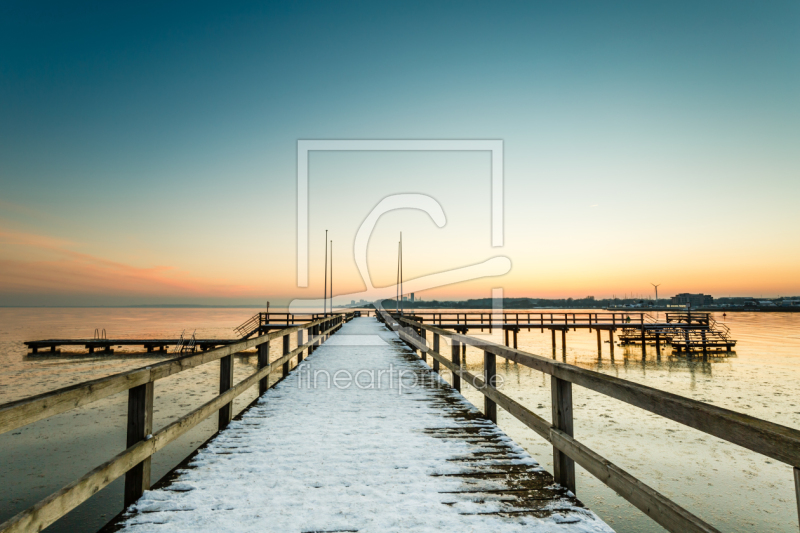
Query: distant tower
x=656, y=287
x=412, y=296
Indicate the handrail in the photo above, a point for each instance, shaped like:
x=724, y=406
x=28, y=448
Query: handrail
x=28, y=410
x=767, y=438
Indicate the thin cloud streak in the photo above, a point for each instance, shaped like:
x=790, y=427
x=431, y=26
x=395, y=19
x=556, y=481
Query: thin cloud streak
x=65, y=271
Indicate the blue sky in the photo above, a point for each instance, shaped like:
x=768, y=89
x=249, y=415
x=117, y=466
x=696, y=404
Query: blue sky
x=147, y=153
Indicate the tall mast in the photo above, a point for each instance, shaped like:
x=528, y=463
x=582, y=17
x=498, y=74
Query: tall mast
x=401, y=272
x=325, y=294
x=331, y=276
x=397, y=283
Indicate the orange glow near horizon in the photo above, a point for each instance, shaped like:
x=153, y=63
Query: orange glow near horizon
x=33, y=264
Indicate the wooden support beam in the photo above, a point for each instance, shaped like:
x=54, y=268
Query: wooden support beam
x=797, y=489
x=455, y=353
x=563, y=466
x=263, y=360
x=564, y=344
x=516, y=331
x=599, y=343
x=436, y=349
x=644, y=339
x=658, y=345
x=225, y=383
x=490, y=380
x=611, y=342
x=300, y=343
x=286, y=351
x=140, y=426
x=553, y=332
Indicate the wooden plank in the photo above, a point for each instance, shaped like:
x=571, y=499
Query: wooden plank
x=225, y=383
x=561, y=396
x=661, y=509
x=140, y=425
x=773, y=440
x=21, y=412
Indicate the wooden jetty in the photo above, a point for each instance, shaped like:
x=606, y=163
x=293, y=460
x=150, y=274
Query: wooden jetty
x=490, y=482
x=107, y=345
x=686, y=332
x=259, y=324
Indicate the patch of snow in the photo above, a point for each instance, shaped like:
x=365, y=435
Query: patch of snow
x=323, y=458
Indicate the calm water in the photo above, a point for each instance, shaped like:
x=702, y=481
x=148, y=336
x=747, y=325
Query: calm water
x=734, y=489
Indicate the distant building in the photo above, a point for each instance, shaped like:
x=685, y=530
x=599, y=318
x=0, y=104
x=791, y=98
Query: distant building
x=692, y=300
x=412, y=296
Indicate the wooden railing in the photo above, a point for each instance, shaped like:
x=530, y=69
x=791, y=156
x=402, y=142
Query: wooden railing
x=525, y=318
x=261, y=319
x=766, y=438
x=142, y=443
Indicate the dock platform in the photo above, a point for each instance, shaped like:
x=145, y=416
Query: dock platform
x=400, y=451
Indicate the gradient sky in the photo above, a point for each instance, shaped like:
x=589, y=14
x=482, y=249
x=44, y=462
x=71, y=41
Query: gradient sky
x=148, y=152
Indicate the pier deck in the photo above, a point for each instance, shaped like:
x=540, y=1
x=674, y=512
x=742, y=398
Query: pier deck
x=398, y=450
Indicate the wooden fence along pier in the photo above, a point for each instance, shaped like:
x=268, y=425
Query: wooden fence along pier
x=142, y=442
x=766, y=438
x=428, y=450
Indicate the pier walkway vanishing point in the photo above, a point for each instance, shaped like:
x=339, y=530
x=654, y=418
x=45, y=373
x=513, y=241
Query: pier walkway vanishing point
x=398, y=450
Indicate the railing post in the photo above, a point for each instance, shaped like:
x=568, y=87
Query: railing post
x=140, y=425
x=490, y=378
x=455, y=351
x=644, y=343
x=436, y=349
x=300, y=343
x=286, y=351
x=797, y=489
x=611, y=342
x=263, y=360
x=563, y=466
x=225, y=383
x=599, y=344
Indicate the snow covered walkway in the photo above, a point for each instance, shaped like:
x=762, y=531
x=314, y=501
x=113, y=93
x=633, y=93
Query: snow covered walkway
x=362, y=436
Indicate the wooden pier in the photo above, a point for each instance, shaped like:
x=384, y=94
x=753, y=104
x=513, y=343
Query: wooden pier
x=686, y=332
x=439, y=455
x=259, y=324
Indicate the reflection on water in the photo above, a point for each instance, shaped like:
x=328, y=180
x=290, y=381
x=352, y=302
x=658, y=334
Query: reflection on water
x=734, y=489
